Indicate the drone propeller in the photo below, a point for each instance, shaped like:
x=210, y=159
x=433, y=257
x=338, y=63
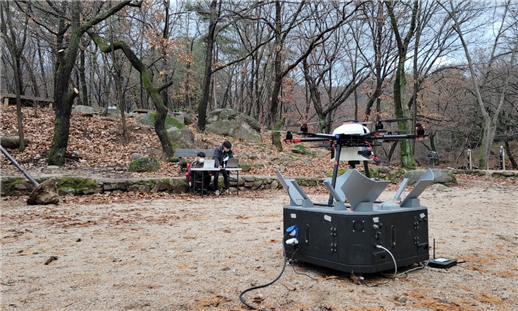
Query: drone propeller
x=396, y=120
x=300, y=124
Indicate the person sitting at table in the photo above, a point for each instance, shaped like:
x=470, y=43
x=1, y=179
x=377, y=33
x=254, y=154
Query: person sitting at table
x=221, y=155
x=201, y=179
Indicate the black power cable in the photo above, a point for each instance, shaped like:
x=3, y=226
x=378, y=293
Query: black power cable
x=265, y=285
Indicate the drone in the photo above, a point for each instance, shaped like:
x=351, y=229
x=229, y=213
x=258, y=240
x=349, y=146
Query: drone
x=352, y=141
x=353, y=231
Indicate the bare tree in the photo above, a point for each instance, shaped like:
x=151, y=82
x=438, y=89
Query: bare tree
x=400, y=103
x=381, y=37
x=71, y=27
x=336, y=70
x=149, y=84
x=490, y=105
x=281, y=31
x=15, y=46
x=209, y=39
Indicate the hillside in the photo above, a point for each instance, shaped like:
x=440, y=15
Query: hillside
x=96, y=147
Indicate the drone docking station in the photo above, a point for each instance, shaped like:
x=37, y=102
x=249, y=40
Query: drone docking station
x=363, y=236
x=353, y=232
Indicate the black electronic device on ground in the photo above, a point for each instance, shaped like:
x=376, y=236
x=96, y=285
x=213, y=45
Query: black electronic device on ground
x=441, y=262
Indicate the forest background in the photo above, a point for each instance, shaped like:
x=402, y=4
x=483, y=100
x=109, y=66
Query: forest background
x=450, y=66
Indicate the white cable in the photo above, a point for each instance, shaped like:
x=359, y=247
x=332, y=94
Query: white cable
x=395, y=265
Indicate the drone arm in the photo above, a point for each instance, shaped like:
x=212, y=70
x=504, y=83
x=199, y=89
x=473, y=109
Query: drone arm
x=304, y=139
x=398, y=137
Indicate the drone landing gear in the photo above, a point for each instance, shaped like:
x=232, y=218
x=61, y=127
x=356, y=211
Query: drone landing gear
x=352, y=166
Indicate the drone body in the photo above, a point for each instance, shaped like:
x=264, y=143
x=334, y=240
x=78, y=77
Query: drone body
x=355, y=140
x=351, y=129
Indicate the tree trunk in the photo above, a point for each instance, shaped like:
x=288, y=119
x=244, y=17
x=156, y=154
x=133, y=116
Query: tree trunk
x=66, y=59
x=202, y=108
x=63, y=98
x=400, y=103
x=82, y=77
x=19, y=115
x=401, y=111
x=510, y=155
x=154, y=92
x=273, y=115
x=34, y=87
x=43, y=72
x=16, y=56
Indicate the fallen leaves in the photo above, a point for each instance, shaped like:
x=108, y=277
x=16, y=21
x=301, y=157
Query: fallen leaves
x=213, y=301
x=288, y=286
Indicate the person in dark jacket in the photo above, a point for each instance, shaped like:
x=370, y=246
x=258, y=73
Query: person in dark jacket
x=221, y=155
x=199, y=177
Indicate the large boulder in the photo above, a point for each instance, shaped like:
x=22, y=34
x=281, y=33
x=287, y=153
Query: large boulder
x=178, y=115
x=44, y=193
x=189, y=118
x=444, y=177
x=230, y=122
x=149, y=120
x=183, y=138
x=81, y=109
x=144, y=164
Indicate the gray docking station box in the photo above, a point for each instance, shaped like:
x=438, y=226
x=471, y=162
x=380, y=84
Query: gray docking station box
x=353, y=232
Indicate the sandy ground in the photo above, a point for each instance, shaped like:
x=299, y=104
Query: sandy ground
x=187, y=253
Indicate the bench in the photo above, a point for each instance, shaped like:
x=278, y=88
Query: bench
x=191, y=153
x=10, y=99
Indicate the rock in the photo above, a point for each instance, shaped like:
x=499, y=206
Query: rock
x=189, y=118
x=135, y=156
x=81, y=109
x=230, y=122
x=177, y=115
x=402, y=299
x=256, y=184
x=51, y=259
x=384, y=169
x=444, y=177
x=66, y=191
x=139, y=128
x=144, y=164
x=504, y=174
x=183, y=137
x=149, y=120
x=439, y=187
x=146, y=119
x=44, y=193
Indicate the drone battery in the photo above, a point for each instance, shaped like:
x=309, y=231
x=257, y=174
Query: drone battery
x=442, y=263
x=349, y=241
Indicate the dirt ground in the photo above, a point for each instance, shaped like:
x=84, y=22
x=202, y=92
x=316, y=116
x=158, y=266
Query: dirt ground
x=180, y=252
